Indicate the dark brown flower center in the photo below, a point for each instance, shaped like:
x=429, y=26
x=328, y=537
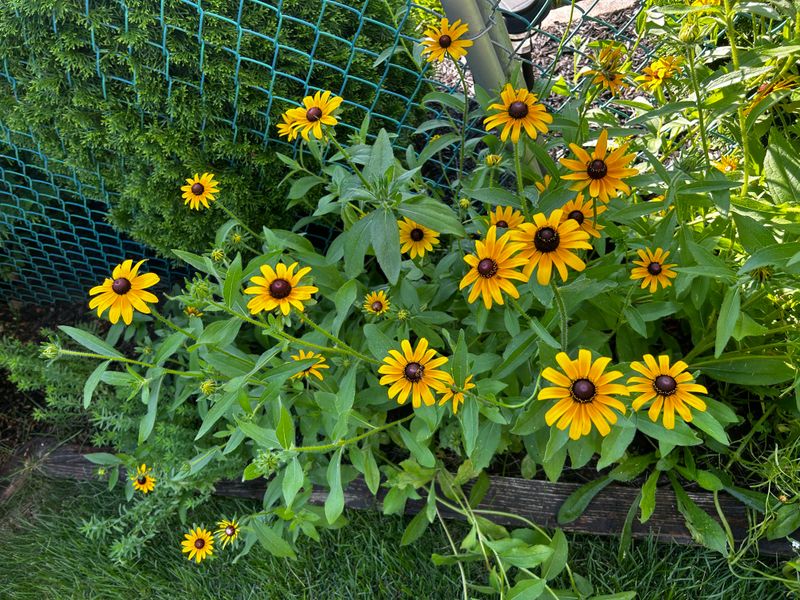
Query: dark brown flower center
x=487, y=268
x=198, y=188
x=141, y=480
x=199, y=543
x=517, y=110
x=576, y=215
x=230, y=530
x=445, y=41
x=546, y=239
x=502, y=224
x=377, y=306
x=121, y=286
x=314, y=114
x=665, y=385
x=597, y=169
x=413, y=371
x=280, y=288
x=654, y=268
x=417, y=234
x=582, y=390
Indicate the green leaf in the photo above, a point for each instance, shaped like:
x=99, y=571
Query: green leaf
x=527, y=589
x=265, y=438
x=356, y=242
x=777, y=255
x=577, y=502
x=285, y=429
x=168, y=346
x=303, y=185
x=381, y=158
x=271, y=540
x=91, y=342
x=233, y=280
x=526, y=557
x=415, y=529
x=372, y=475
x=782, y=169
x=221, y=333
x=521, y=349
x=293, y=478
x=469, y=417
x=150, y=395
x=103, y=458
x=728, y=315
x=220, y=408
x=421, y=453
x=748, y=369
x=682, y=435
x=202, y=459
x=445, y=99
x=433, y=214
x=92, y=381
x=378, y=342
x=705, y=530
x=616, y=443
x=344, y=298
x=787, y=521
x=627, y=529
x=334, y=503
x=459, y=361
x=385, y=235
x=706, y=422
x=553, y=566
x=647, y=503
x=201, y=263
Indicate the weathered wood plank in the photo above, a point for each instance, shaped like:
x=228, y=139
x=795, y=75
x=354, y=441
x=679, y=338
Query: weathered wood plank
x=537, y=501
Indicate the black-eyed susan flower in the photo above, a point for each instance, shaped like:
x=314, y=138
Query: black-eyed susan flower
x=286, y=128
x=451, y=393
x=669, y=388
x=199, y=544
x=313, y=369
x=727, y=163
x=317, y=110
x=518, y=110
x=585, y=394
x=652, y=269
x=548, y=242
x=492, y=268
x=200, y=190
x=142, y=480
x=492, y=160
x=544, y=183
x=376, y=303
x=506, y=217
x=583, y=212
x=227, y=531
x=602, y=174
x=279, y=288
x=608, y=71
x=414, y=372
x=416, y=239
x=659, y=71
x=446, y=41
x=125, y=291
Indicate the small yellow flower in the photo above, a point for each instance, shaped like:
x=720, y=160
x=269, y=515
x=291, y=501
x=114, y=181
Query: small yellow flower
x=544, y=183
x=652, y=270
x=227, y=531
x=415, y=238
x=492, y=160
x=603, y=175
x=376, y=303
x=199, y=543
x=208, y=387
x=446, y=41
x=451, y=393
x=659, y=71
x=583, y=212
x=317, y=110
x=192, y=311
x=200, y=190
x=124, y=292
x=505, y=217
x=518, y=110
x=142, y=480
x=727, y=163
x=435, y=137
x=218, y=255
x=313, y=369
x=413, y=373
x=287, y=128
x=609, y=67
x=279, y=288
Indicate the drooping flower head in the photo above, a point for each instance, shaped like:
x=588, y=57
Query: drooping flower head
x=413, y=373
x=492, y=268
x=603, y=175
x=279, y=287
x=287, y=127
x=785, y=83
x=376, y=303
x=548, y=242
x=583, y=213
x=451, y=393
x=446, y=41
x=317, y=110
x=125, y=291
x=313, y=369
x=200, y=190
x=609, y=66
x=416, y=239
x=652, y=269
x=506, y=217
x=199, y=544
x=227, y=531
x=518, y=110
x=669, y=388
x=142, y=480
x=585, y=394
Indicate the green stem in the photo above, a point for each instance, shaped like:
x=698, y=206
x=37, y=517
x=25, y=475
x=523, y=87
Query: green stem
x=730, y=30
x=239, y=221
x=690, y=51
x=746, y=439
x=353, y=440
x=349, y=161
x=562, y=313
x=521, y=184
x=170, y=324
x=463, y=121
x=129, y=361
x=455, y=553
x=725, y=525
x=335, y=339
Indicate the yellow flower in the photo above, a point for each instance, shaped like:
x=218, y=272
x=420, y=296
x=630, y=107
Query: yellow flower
x=549, y=241
x=218, y=255
x=602, y=175
x=287, y=128
x=192, y=311
x=376, y=303
x=492, y=160
x=659, y=72
x=544, y=183
x=415, y=238
x=446, y=40
x=583, y=213
x=227, y=531
x=608, y=71
x=313, y=369
x=584, y=393
x=279, y=288
x=518, y=110
x=452, y=393
x=317, y=110
x=414, y=373
x=200, y=190
x=668, y=387
x=142, y=480
x=652, y=270
x=124, y=292
x=505, y=217
x=199, y=543
x=727, y=163
x=492, y=268
x=208, y=387
x=786, y=83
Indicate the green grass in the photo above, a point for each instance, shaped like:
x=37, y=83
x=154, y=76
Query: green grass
x=44, y=556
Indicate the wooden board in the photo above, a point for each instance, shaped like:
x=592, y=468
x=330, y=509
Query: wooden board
x=537, y=501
